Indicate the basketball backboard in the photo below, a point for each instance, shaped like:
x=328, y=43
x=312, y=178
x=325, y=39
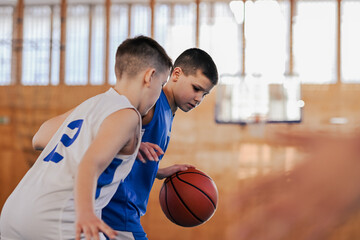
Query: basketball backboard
x=253, y=99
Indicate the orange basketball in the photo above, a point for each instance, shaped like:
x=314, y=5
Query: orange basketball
x=188, y=198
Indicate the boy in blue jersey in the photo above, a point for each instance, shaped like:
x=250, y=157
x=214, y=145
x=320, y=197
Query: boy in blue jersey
x=193, y=77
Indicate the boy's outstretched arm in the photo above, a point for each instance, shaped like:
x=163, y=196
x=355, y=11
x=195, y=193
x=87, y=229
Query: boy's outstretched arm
x=114, y=133
x=47, y=130
x=150, y=151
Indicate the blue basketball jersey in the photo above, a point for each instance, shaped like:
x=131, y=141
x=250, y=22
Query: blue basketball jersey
x=130, y=200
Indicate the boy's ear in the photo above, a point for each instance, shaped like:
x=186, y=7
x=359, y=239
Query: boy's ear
x=149, y=74
x=176, y=74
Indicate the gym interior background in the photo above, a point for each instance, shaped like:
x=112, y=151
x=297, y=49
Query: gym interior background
x=56, y=53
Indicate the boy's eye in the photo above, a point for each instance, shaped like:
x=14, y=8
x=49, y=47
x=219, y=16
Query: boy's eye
x=196, y=88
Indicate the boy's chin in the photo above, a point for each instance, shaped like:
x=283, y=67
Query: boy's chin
x=186, y=109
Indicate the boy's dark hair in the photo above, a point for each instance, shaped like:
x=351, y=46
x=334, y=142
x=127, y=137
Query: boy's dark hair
x=138, y=53
x=194, y=59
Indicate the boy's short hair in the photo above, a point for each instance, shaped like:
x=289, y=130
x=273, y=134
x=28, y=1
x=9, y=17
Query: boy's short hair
x=194, y=59
x=138, y=53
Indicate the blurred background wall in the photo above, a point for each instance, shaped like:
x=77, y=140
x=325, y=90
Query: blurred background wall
x=54, y=55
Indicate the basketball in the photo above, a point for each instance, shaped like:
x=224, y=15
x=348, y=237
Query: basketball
x=188, y=198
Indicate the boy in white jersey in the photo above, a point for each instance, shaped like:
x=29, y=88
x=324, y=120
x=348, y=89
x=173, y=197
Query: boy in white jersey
x=101, y=132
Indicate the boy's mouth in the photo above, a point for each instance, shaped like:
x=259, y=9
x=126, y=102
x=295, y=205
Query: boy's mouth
x=191, y=105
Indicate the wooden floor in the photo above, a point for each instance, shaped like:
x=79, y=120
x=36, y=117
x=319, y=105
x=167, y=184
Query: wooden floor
x=232, y=155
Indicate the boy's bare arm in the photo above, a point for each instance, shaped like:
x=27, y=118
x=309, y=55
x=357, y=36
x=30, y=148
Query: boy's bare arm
x=115, y=131
x=47, y=130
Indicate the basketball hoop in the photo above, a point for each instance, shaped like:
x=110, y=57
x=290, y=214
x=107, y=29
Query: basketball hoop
x=256, y=126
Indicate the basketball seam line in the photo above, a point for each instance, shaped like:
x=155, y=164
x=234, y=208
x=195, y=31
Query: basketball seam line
x=201, y=221
x=182, y=173
x=167, y=205
x=199, y=189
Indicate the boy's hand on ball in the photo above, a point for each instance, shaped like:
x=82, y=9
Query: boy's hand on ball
x=168, y=171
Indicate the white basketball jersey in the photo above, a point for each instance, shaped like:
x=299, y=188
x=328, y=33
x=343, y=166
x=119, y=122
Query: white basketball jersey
x=42, y=205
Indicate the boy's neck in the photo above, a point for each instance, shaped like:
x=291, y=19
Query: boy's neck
x=170, y=98
x=128, y=91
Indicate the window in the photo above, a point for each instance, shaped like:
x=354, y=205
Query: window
x=140, y=20
x=77, y=44
x=221, y=36
x=119, y=22
x=179, y=29
x=266, y=35
x=118, y=33
x=98, y=33
x=55, y=46
x=314, y=43
x=263, y=24
x=6, y=25
x=350, y=38
x=36, y=45
x=162, y=22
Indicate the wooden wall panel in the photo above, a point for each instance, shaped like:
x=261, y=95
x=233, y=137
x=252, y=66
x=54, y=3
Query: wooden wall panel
x=230, y=154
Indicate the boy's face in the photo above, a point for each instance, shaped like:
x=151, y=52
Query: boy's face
x=190, y=90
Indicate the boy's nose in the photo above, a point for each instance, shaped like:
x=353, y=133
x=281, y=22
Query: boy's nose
x=198, y=98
